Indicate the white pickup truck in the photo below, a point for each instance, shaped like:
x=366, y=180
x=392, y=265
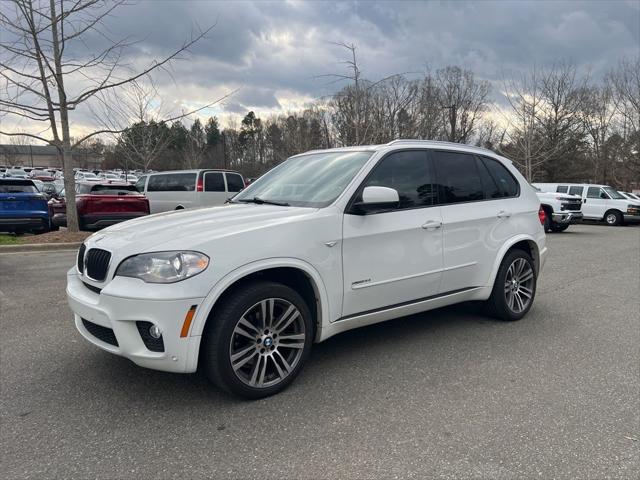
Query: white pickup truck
x=561, y=210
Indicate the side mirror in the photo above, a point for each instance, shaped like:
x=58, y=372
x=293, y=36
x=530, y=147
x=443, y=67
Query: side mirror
x=376, y=199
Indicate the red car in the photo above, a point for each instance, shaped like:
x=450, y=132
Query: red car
x=42, y=175
x=101, y=204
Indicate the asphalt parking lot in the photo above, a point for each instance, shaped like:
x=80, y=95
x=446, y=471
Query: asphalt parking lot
x=444, y=394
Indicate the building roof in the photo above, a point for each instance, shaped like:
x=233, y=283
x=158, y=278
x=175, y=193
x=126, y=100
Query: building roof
x=8, y=149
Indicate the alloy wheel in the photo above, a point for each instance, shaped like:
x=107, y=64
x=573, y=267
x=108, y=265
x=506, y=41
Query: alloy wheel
x=267, y=343
x=518, y=287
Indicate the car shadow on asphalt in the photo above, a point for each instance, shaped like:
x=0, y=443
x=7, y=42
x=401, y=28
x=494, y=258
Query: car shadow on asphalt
x=356, y=347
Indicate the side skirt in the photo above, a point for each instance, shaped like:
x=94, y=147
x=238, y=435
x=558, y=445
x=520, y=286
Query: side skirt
x=400, y=310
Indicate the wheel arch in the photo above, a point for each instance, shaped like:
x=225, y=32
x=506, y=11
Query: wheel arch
x=610, y=210
x=294, y=273
x=522, y=242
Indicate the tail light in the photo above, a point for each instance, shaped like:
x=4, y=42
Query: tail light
x=542, y=215
x=200, y=185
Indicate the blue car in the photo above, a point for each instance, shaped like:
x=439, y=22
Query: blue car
x=22, y=207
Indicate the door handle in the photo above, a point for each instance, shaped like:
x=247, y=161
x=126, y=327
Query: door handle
x=432, y=225
x=503, y=214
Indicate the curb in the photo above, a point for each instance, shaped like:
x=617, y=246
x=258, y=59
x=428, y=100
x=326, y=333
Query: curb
x=39, y=247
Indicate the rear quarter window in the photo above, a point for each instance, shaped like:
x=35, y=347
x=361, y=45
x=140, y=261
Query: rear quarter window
x=234, y=182
x=172, y=182
x=507, y=184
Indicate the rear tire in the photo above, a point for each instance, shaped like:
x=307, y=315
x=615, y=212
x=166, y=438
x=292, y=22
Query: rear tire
x=547, y=221
x=258, y=340
x=514, y=288
x=613, y=218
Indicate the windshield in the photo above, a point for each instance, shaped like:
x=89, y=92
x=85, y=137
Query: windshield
x=613, y=193
x=313, y=180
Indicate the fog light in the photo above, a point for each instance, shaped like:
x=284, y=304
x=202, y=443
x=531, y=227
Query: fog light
x=155, y=331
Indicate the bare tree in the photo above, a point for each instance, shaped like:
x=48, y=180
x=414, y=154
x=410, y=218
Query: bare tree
x=598, y=111
x=137, y=116
x=523, y=137
x=626, y=84
x=462, y=101
x=42, y=79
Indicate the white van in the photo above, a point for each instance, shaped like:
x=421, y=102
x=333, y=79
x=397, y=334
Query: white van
x=179, y=189
x=599, y=202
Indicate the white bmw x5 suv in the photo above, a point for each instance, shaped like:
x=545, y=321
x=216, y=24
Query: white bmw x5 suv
x=325, y=242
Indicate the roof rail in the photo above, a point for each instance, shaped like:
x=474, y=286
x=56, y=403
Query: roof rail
x=439, y=142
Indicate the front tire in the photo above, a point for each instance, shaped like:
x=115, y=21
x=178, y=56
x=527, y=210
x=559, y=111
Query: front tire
x=514, y=288
x=559, y=228
x=257, y=340
x=613, y=218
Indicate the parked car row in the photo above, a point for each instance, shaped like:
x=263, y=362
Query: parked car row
x=103, y=201
x=597, y=202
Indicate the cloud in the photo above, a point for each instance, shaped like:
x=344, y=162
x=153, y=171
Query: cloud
x=275, y=53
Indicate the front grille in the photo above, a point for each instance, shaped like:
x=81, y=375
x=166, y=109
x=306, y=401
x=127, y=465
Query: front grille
x=98, y=264
x=153, y=344
x=101, y=333
x=573, y=206
x=83, y=249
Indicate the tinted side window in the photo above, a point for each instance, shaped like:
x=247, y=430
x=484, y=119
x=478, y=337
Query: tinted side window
x=562, y=189
x=140, y=184
x=172, y=182
x=213, y=182
x=508, y=185
x=411, y=174
x=234, y=182
x=458, y=177
x=489, y=185
x=593, y=192
x=576, y=190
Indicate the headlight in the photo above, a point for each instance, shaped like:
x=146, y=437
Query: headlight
x=163, y=267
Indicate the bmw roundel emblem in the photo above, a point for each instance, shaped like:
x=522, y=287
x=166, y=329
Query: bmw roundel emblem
x=268, y=342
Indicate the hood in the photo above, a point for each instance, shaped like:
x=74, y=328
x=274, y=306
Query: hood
x=189, y=228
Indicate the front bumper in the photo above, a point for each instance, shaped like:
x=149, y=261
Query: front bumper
x=564, y=218
x=631, y=218
x=120, y=315
x=23, y=222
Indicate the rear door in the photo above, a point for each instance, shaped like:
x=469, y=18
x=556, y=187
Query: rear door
x=479, y=212
x=116, y=199
x=214, y=190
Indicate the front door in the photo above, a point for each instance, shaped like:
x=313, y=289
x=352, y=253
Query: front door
x=395, y=256
x=595, y=203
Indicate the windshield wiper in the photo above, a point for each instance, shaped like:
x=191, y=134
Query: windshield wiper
x=261, y=201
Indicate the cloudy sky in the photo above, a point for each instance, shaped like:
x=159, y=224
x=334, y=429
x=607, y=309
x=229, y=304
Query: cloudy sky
x=274, y=53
